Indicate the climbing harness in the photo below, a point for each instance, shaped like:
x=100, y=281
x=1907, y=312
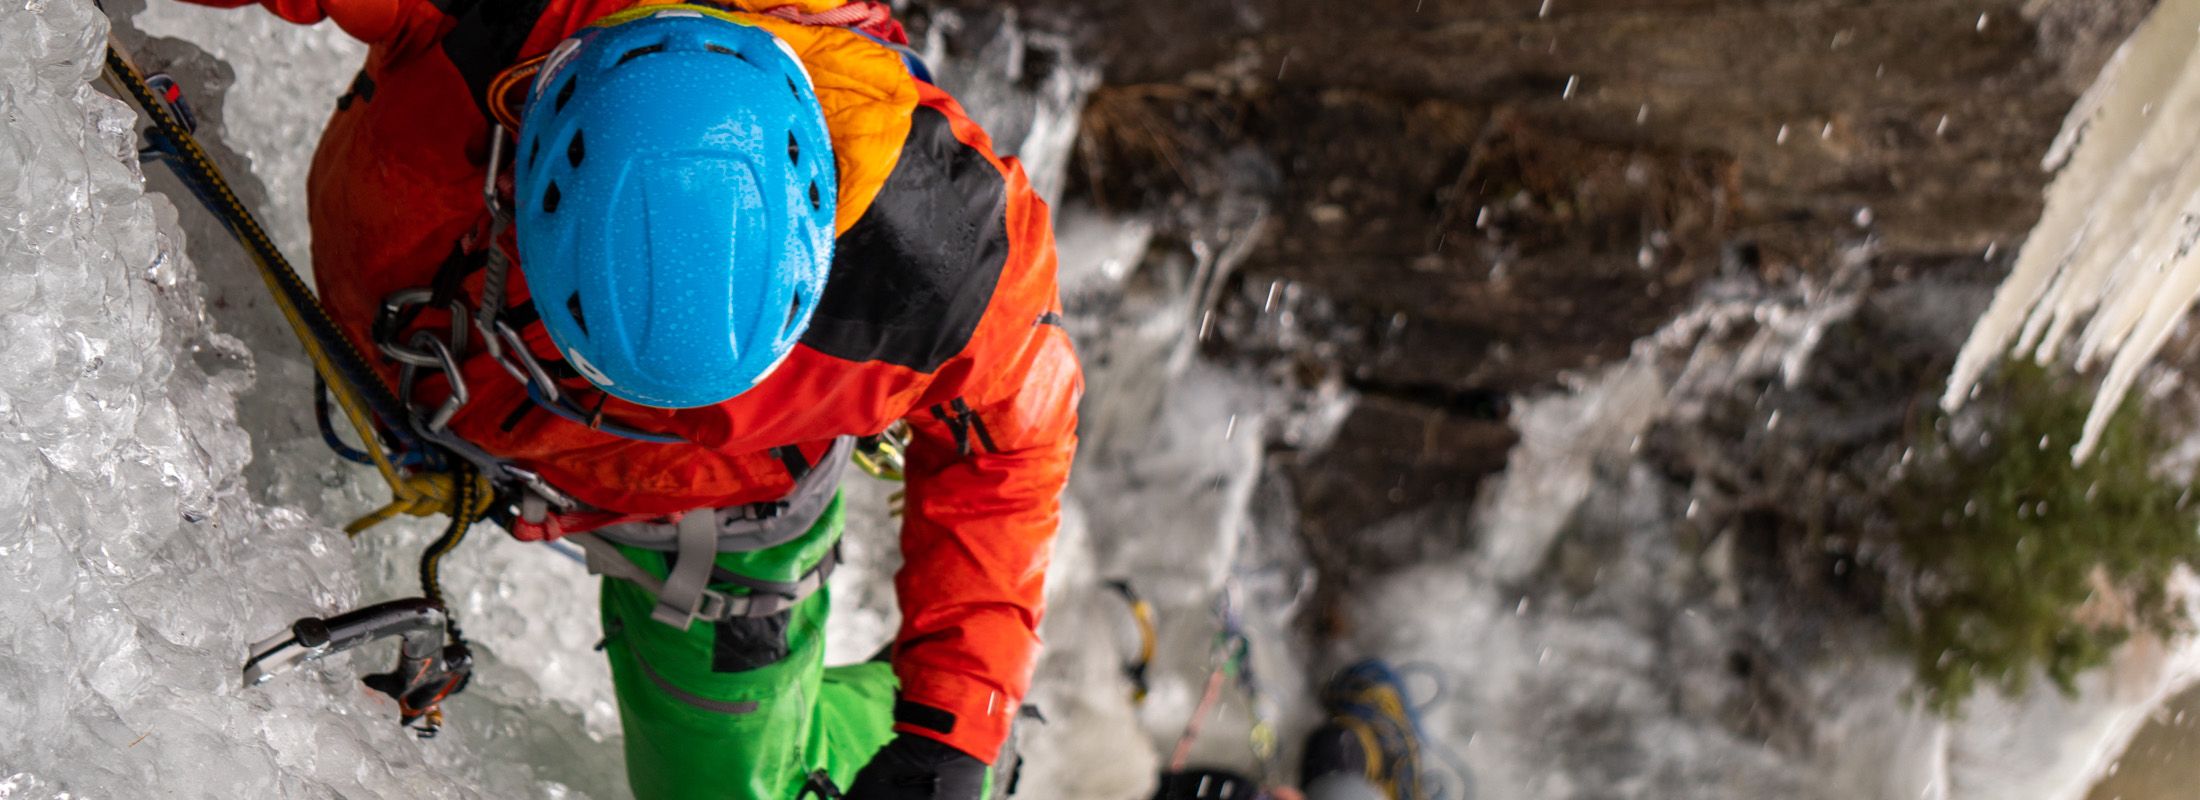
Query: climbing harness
x=684, y=595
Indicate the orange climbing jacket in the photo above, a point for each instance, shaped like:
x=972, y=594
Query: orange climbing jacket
x=941, y=310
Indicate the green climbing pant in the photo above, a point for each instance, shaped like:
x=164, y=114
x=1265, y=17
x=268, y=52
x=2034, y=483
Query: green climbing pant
x=744, y=708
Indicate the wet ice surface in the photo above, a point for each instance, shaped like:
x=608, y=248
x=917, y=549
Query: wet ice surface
x=140, y=551
x=136, y=562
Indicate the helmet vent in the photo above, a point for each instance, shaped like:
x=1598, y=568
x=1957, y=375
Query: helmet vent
x=573, y=307
x=794, y=311
x=550, y=198
x=564, y=93
x=794, y=149
x=574, y=150
x=725, y=51
x=639, y=52
x=534, y=148
x=797, y=90
x=815, y=200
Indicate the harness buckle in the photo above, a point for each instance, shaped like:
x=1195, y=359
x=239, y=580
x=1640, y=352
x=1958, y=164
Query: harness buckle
x=714, y=606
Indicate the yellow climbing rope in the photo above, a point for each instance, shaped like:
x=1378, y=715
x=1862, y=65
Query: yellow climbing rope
x=338, y=361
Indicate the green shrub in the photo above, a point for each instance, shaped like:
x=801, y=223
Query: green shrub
x=2003, y=536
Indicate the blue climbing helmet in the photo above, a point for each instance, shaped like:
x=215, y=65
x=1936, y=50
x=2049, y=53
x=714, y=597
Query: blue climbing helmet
x=673, y=192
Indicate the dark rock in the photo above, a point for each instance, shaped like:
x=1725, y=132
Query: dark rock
x=1490, y=194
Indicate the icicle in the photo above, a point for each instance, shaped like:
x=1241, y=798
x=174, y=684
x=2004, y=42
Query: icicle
x=2110, y=260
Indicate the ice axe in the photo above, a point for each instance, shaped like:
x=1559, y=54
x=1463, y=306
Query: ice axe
x=428, y=670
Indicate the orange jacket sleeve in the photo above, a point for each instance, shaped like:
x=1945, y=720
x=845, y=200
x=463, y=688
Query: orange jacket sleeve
x=986, y=466
x=370, y=21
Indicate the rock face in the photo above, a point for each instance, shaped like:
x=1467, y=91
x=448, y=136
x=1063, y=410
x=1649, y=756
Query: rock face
x=1489, y=195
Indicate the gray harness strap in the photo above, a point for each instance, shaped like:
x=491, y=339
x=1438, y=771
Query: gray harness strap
x=682, y=609
x=683, y=589
x=700, y=535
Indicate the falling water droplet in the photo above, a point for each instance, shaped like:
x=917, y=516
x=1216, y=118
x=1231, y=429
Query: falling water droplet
x=1571, y=81
x=1642, y=114
x=1782, y=137
x=1942, y=128
x=1274, y=288
x=1982, y=23
x=1545, y=11
x=1229, y=430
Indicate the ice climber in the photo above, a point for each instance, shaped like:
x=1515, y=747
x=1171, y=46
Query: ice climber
x=1371, y=747
x=744, y=235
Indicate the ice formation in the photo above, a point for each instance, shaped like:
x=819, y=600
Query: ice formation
x=138, y=561
x=2112, y=259
x=1620, y=684
x=173, y=504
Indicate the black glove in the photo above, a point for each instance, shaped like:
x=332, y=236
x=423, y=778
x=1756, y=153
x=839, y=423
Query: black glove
x=917, y=768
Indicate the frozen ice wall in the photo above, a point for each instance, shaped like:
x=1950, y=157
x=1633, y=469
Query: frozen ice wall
x=136, y=562
x=2111, y=264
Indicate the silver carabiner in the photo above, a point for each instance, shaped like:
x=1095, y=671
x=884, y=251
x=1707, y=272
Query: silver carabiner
x=534, y=374
x=408, y=375
x=413, y=354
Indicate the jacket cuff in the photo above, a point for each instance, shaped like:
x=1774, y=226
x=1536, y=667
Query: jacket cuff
x=967, y=714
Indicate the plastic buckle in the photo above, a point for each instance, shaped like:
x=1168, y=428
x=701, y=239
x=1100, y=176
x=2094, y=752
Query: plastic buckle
x=715, y=605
